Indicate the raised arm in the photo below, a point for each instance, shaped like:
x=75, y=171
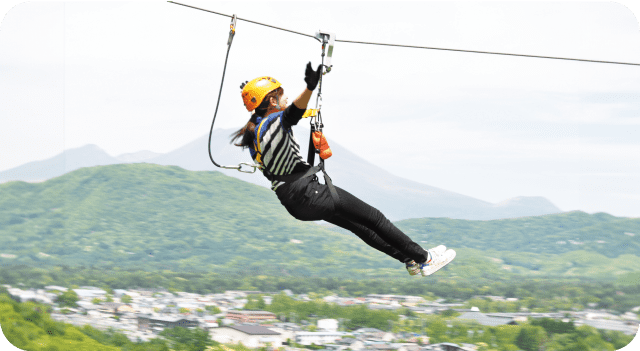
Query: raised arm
x=294, y=112
x=312, y=78
x=303, y=99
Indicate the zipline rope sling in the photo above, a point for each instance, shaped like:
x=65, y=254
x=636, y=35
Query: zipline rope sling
x=315, y=121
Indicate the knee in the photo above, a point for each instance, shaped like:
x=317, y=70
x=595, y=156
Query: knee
x=380, y=220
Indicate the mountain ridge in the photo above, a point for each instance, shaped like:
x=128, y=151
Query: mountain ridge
x=398, y=198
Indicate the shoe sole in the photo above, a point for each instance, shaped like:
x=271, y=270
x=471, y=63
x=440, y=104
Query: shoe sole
x=440, y=249
x=448, y=256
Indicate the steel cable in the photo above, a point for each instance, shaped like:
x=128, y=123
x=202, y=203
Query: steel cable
x=488, y=52
x=418, y=47
x=246, y=20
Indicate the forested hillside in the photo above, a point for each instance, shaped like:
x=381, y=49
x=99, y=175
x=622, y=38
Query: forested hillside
x=154, y=217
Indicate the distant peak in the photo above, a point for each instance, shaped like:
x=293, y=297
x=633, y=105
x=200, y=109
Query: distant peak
x=88, y=147
x=541, y=204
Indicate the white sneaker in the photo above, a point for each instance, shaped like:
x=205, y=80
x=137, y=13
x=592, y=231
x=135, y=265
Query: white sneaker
x=439, y=250
x=436, y=262
x=414, y=269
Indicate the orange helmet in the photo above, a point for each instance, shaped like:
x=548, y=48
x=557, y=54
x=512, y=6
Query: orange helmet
x=253, y=92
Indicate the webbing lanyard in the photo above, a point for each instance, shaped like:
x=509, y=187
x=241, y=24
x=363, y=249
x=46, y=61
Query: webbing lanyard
x=232, y=32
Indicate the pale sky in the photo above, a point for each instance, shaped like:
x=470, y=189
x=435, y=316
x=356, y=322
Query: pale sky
x=131, y=76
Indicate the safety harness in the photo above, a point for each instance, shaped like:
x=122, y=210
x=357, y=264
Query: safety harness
x=290, y=178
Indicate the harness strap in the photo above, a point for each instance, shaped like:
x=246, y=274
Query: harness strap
x=257, y=146
x=332, y=189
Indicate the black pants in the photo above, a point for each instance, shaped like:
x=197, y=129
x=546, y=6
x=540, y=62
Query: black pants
x=308, y=200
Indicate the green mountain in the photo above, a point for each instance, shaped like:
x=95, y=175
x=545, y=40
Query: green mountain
x=551, y=234
x=157, y=216
x=153, y=217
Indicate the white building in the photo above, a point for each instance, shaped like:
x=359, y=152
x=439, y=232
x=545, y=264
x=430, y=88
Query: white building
x=90, y=293
x=120, y=292
x=329, y=325
x=30, y=295
x=55, y=287
x=318, y=338
x=251, y=336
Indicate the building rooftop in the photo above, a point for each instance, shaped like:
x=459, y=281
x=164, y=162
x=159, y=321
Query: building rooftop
x=250, y=312
x=487, y=320
x=253, y=329
x=166, y=318
x=321, y=333
x=55, y=287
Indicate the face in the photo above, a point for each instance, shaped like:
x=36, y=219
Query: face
x=282, y=103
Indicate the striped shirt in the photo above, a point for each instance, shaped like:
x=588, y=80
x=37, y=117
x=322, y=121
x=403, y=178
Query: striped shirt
x=280, y=151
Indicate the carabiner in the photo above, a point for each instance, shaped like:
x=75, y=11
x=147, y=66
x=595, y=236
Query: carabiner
x=255, y=166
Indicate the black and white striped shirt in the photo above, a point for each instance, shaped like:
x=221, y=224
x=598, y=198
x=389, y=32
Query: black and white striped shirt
x=280, y=151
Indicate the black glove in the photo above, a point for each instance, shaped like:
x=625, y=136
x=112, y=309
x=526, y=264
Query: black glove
x=312, y=77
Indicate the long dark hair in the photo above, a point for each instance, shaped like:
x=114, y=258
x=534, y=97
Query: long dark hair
x=246, y=133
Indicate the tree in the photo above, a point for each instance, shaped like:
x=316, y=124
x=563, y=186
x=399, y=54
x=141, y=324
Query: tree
x=68, y=298
x=188, y=339
x=437, y=330
x=450, y=313
x=554, y=327
x=530, y=338
x=126, y=299
x=261, y=304
x=212, y=309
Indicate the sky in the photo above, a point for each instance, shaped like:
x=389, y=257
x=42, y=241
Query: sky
x=132, y=76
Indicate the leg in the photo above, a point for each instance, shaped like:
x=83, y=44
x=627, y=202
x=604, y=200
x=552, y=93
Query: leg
x=308, y=200
x=369, y=237
x=359, y=212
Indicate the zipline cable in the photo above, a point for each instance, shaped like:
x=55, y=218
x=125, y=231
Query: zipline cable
x=420, y=47
x=488, y=52
x=246, y=20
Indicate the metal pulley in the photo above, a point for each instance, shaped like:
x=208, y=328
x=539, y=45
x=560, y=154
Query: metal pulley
x=328, y=39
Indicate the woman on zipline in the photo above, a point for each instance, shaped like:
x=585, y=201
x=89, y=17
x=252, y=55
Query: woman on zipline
x=269, y=137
